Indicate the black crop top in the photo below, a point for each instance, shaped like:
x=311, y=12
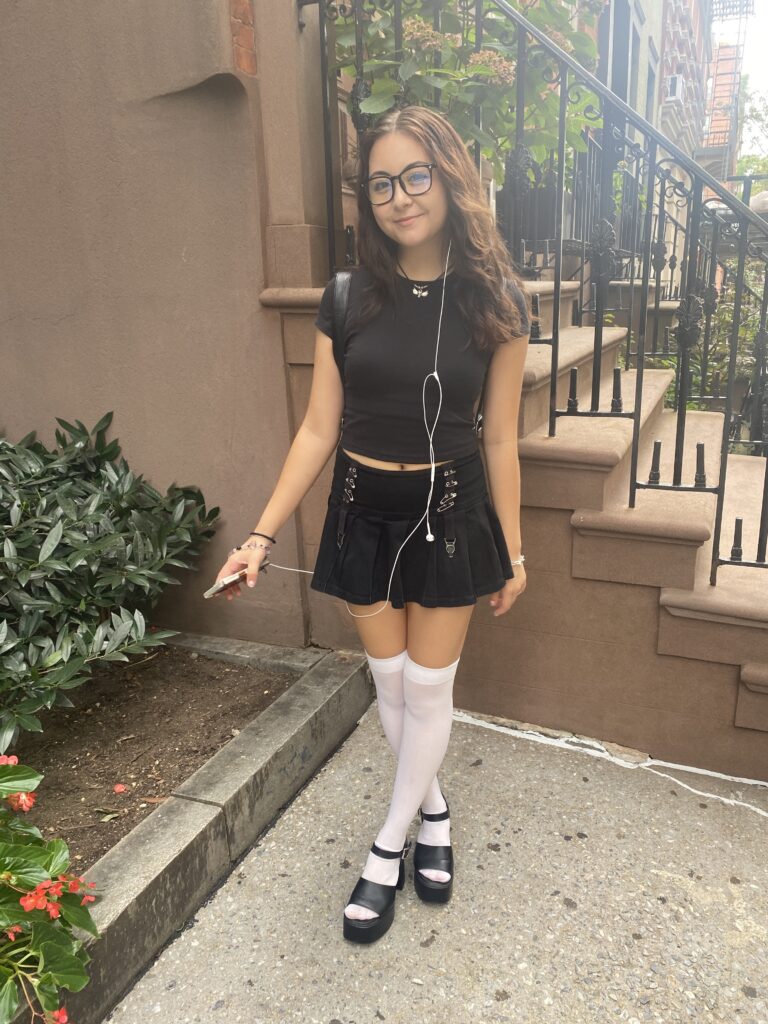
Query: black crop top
x=385, y=364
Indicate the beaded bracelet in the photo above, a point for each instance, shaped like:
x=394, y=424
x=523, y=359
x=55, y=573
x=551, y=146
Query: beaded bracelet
x=240, y=547
x=255, y=533
x=518, y=561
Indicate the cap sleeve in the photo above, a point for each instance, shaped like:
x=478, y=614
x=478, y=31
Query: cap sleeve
x=324, y=318
x=521, y=301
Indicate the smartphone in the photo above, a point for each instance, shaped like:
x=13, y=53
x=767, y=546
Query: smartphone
x=230, y=581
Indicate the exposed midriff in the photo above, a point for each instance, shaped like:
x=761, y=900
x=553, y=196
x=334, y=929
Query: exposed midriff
x=378, y=464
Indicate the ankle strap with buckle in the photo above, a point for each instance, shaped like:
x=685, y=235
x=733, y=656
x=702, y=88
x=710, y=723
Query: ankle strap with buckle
x=435, y=817
x=390, y=853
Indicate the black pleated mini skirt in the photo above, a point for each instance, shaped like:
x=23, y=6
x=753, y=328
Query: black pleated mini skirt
x=372, y=511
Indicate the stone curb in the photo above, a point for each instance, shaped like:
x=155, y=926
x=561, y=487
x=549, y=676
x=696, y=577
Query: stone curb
x=171, y=861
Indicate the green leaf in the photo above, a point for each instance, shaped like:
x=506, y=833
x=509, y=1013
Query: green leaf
x=51, y=541
x=103, y=423
x=384, y=86
x=17, y=778
x=25, y=871
x=58, y=852
x=408, y=69
x=120, y=634
x=29, y=722
x=9, y=1000
x=377, y=104
x=65, y=968
x=48, y=992
x=76, y=914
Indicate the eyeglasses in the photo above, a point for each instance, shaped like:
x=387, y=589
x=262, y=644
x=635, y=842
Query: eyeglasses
x=415, y=180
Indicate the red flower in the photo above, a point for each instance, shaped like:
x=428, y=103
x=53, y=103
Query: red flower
x=5, y=759
x=87, y=899
x=22, y=801
x=13, y=931
x=60, y=1016
x=119, y=788
x=34, y=900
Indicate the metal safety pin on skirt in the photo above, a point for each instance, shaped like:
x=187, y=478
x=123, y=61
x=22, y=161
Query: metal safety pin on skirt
x=450, y=535
x=340, y=527
x=446, y=502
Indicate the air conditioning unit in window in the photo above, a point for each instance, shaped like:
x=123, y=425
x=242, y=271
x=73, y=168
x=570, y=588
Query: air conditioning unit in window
x=676, y=88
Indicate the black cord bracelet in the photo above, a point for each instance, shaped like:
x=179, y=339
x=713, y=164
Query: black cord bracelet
x=255, y=533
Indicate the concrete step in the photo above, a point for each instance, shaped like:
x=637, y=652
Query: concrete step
x=727, y=622
x=752, y=698
x=546, y=291
x=586, y=464
x=659, y=541
x=576, y=349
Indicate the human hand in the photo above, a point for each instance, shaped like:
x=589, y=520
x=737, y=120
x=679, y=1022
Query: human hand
x=503, y=600
x=249, y=559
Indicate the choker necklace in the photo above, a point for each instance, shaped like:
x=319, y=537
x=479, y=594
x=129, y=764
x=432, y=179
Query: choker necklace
x=421, y=291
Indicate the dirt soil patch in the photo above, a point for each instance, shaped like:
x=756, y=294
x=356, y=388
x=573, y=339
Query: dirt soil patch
x=147, y=724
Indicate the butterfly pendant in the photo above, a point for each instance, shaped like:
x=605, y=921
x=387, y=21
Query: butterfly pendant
x=420, y=291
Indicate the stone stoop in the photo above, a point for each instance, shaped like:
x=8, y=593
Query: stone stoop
x=629, y=642
x=658, y=542
x=576, y=350
x=587, y=462
x=752, y=698
x=667, y=317
x=569, y=292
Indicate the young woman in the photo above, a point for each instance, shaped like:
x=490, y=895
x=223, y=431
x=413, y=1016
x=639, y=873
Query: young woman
x=413, y=535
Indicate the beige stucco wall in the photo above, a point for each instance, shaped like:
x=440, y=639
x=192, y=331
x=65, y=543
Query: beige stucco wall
x=143, y=213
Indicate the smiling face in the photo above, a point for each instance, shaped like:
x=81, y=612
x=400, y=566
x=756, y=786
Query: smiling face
x=418, y=221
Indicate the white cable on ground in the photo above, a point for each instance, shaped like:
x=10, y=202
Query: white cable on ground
x=594, y=748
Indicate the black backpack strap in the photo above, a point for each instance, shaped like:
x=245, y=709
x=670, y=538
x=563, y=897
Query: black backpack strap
x=479, y=413
x=341, y=283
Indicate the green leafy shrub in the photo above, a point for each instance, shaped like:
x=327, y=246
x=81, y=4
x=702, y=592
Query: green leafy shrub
x=85, y=547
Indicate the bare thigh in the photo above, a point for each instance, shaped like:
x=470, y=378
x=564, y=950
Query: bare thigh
x=434, y=637
x=383, y=635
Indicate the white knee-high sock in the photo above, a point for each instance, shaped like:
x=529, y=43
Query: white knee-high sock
x=388, y=678
x=427, y=722
x=419, y=734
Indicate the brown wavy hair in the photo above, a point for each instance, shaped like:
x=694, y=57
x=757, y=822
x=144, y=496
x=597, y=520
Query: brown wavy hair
x=481, y=261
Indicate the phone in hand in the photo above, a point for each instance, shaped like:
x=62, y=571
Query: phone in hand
x=230, y=581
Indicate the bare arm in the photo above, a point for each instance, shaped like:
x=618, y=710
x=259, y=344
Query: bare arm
x=315, y=440
x=500, y=426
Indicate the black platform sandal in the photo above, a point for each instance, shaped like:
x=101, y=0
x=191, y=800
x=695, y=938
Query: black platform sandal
x=433, y=858
x=377, y=897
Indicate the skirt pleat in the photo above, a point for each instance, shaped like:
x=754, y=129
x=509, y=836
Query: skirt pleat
x=359, y=543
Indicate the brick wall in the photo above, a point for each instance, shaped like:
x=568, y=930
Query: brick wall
x=243, y=41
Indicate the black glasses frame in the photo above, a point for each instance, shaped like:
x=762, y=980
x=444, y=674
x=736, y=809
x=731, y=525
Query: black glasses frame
x=398, y=177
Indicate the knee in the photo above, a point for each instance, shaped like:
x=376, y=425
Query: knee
x=419, y=673
x=387, y=676
x=425, y=687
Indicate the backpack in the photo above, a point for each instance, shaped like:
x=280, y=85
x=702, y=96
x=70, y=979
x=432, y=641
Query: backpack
x=341, y=284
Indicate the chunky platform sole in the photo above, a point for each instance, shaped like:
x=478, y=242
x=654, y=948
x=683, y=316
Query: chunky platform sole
x=377, y=897
x=433, y=858
x=428, y=889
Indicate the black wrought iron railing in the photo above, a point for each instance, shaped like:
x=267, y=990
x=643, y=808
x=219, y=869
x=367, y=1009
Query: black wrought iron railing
x=623, y=211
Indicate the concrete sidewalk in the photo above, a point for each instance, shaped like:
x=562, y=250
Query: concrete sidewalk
x=589, y=888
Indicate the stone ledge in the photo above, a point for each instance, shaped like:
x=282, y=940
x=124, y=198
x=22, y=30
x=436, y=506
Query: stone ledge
x=166, y=867
x=268, y=657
